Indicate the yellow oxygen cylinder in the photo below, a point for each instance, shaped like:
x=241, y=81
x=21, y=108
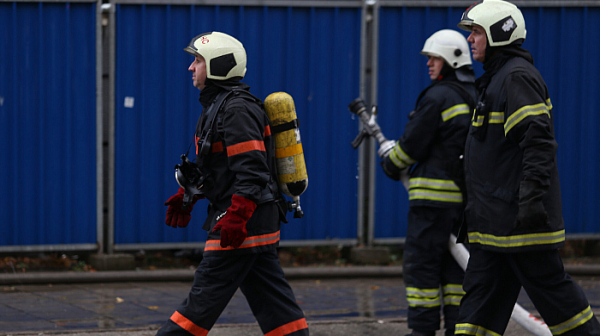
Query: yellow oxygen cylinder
x=291, y=168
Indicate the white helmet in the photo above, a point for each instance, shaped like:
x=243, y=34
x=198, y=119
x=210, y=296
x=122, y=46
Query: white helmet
x=449, y=45
x=502, y=21
x=225, y=56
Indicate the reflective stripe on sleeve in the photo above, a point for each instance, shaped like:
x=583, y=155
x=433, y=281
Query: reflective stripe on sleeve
x=546, y=238
x=289, y=328
x=526, y=111
x=400, y=158
x=573, y=322
x=246, y=146
x=454, y=111
x=188, y=325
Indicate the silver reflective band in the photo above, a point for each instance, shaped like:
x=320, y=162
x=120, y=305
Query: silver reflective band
x=454, y=111
x=518, y=240
x=573, y=322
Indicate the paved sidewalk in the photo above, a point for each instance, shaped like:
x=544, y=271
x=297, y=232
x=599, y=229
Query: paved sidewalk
x=333, y=328
x=333, y=306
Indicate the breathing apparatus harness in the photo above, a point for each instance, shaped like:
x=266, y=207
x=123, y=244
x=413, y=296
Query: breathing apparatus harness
x=193, y=177
x=189, y=175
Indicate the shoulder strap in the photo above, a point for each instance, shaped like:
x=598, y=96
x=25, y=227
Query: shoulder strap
x=206, y=142
x=462, y=92
x=454, y=85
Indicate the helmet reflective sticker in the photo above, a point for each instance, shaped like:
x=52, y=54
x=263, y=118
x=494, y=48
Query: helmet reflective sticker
x=220, y=66
x=502, y=30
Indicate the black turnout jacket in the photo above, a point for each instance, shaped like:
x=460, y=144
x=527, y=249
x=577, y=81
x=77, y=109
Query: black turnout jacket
x=511, y=139
x=240, y=161
x=433, y=141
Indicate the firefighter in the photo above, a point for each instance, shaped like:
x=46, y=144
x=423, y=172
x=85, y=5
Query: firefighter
x=432, y=144
x=513, y=213
x=235, y=153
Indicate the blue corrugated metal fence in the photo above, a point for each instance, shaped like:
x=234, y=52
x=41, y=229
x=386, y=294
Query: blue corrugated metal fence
x=47, y=123
x=311, y=53
x=48, y=110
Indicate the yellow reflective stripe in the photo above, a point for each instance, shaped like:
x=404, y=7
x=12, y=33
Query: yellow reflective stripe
x=421, y=182
x=413, y=291
x=454, y=111
x=496, y=117
x=471, y=329
x=418, y=297
x=400, y=158
x=423, y=303
x=479, y=121
x=452, y=293
x=434, y=190
x=452, y=300
x=453, y=289
x=518, y=240
x=441, y=196
x=526, y=111
x=573, y=322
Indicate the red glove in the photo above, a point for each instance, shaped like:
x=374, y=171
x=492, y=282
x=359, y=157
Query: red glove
x=176, y=215
x=233, y=224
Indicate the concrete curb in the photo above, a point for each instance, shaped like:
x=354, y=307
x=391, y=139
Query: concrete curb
x=188, y=274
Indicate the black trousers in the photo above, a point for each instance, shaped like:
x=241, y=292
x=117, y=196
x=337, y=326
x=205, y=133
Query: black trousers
x=262, y=282
x=432, y=276
x=493, y=281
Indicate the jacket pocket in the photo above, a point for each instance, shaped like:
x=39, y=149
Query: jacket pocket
x=496, y=209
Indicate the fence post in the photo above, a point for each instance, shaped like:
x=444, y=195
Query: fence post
x=368, y=91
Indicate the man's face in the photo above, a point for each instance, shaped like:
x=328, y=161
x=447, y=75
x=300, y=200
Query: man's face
x=478, y=41
x=435, y=65
x=198, y=68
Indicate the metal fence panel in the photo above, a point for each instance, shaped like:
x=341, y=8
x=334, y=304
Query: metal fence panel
x=48, y=123
x=311, y=53
x=564, y=43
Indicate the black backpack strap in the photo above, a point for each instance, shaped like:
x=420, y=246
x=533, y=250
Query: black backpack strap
x=205, y=142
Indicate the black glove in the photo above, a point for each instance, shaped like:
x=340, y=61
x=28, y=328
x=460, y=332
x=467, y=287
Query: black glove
x=531, y=215
x=390, y=169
